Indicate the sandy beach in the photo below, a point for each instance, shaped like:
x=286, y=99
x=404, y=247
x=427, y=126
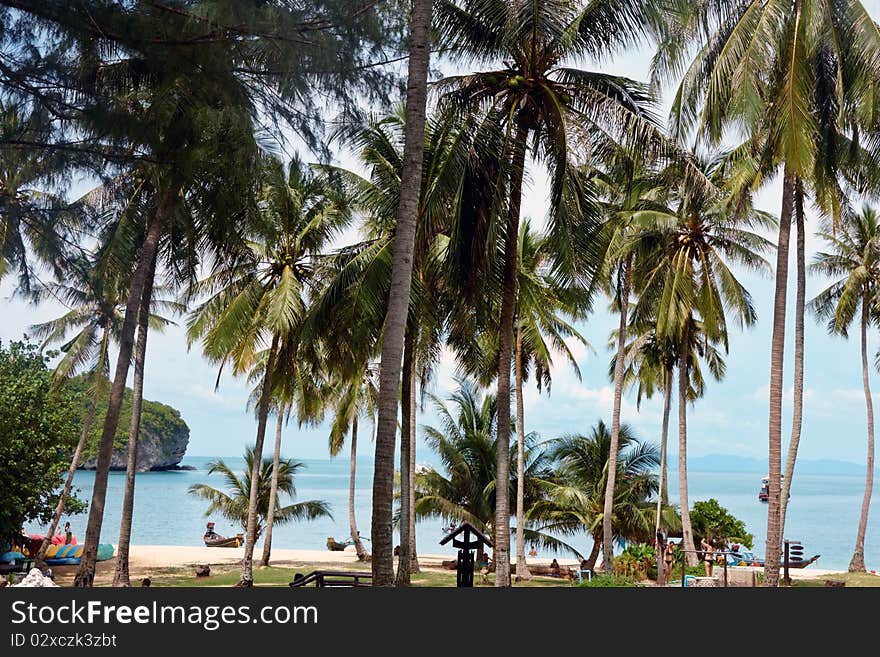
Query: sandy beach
x=146, y=560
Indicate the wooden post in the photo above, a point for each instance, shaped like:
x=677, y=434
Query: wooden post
x=786, y=577
x=724, y=556
x=683, y=564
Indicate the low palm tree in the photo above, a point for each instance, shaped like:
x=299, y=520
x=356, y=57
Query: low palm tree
x=853, y=259
x=575, y=497
x=234, y=502
x=465, y=441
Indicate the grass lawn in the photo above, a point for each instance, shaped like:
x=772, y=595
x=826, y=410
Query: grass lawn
x=849, y=579
x=281, y=576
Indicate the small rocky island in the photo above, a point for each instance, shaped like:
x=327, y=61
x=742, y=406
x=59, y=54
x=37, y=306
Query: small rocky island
x=163, y=439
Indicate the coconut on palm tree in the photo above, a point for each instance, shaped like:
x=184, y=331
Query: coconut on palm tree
x=233, y=503
x=853, y=259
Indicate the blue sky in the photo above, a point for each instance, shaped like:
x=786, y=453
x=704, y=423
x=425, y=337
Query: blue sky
x=730, y=419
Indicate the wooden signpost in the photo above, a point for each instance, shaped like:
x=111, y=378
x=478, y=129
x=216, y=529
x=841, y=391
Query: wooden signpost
x=464, y=576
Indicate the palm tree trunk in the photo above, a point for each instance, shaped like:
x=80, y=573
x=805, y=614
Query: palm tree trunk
x=777, y=356
x=687, y=532
x=607, y=511
x=398, y=294
x=120, y=578
x=247, y=564
x=405, y=445
x=663, y=498
x=522, y=570
x=352, y=519
x=857, y=564
x=505, y=328
x=77, y=453
x=273, y=489
x=413, y=557
x=85, y=574
x=594, y=554
x=798, y=402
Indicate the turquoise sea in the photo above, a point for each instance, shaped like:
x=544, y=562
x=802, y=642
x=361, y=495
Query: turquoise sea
x=823, y=511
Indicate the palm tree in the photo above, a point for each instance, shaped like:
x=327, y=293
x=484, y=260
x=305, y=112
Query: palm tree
x=853, y=258
x=794, y=78
x=627, y=186
x=359, y=275
x=33, y=222
x=690, y=288
x=539, y=101
x=234, y=502
x=261, y=298
x=466, y=443
x=354, y=398
x=120, y=578
x=649, y=365
x=575, y=498
x=539, y=307
x=95, y=318
x=398, y=297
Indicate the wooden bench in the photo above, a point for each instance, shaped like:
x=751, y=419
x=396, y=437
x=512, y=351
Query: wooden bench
x=327, y=578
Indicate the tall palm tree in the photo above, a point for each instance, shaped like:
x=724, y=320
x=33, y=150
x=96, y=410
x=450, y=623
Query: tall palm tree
x=94, y=318
x=234, y=502
x=354, y=398
x=690, y=289
x=398, y=296
x=539, y=100
x=649, y=365
x=261, y=299
x=794, y=76
x=853, y=258
x=541, y=328
x=120, y=577
x=358, y=284
x=575, y=498
x=628, y=185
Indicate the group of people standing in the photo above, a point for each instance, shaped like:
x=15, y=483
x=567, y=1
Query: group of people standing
x=668, y=550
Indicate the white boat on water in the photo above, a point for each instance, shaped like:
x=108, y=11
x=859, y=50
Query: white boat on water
x=764, y=495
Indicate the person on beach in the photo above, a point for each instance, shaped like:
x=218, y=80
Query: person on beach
x=68, y=535
x=209, y=532
x=533, y=552
x=669, y=559
x=708, y=556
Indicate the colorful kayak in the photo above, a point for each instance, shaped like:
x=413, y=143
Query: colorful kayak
x=61, y=555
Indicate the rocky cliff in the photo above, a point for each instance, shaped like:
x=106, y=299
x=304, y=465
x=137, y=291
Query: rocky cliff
x=163, y=438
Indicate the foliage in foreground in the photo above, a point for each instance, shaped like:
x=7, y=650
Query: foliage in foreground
x=38, y=430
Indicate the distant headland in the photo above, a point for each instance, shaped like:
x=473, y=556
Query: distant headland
x=162, y=442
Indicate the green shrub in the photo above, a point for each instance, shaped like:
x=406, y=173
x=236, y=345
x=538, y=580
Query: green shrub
x=609, y=581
